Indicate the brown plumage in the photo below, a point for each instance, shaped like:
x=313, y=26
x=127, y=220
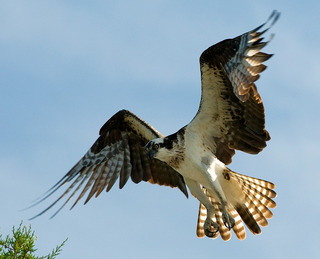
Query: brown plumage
x=232, y=106
x=229, y=70
x=230, y=117
x=118, y=153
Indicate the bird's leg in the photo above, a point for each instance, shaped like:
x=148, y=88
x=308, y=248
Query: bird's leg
x=210, y=227
x=227, y=219
x=214, y=169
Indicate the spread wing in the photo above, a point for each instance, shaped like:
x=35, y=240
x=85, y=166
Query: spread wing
x=231, y=114
x=118, y=153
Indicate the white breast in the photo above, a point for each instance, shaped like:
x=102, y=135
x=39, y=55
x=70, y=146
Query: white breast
x=199, y=163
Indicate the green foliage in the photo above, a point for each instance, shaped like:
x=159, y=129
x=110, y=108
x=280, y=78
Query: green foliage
x=21, y=245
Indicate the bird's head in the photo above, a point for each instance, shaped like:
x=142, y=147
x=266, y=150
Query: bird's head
x=154, y=148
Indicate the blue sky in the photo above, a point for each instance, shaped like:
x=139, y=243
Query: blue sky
x=67, y=67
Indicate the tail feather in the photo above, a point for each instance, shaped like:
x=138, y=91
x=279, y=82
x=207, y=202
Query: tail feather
x=201, y=219
x=259, y=203
x=238, y=227
x=248, y=218
x=260, y=190
x=259, y=185
x=225, y=233
x=257, y=181
x=257, y=213
x=253, y=210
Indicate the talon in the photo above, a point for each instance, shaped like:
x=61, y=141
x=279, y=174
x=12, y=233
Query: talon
x=228, y=220
x=210, y=228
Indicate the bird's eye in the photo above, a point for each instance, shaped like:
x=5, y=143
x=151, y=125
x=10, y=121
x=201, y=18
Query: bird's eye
x=156, y=146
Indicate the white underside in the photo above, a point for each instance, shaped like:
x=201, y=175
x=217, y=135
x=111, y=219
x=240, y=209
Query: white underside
x=201, y=168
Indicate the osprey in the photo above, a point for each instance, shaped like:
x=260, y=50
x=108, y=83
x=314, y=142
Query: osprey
x=230, y=116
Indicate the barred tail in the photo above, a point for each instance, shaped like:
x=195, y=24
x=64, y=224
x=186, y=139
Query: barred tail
x=259, y=196
x=252, y=208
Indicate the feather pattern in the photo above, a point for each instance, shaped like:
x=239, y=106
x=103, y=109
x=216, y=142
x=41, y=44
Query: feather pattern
x=253, y=211
x=117, y=153
x=231, y=112
x=230, y=117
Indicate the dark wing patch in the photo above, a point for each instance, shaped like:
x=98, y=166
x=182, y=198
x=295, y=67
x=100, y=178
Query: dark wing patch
x=231, y=114
x=117, y=153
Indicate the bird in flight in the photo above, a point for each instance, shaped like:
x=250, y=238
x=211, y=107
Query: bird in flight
x=230, y=117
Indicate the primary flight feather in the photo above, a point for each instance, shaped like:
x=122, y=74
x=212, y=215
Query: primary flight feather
x=230, y=117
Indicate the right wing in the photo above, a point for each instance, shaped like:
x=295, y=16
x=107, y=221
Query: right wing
x=231, y=113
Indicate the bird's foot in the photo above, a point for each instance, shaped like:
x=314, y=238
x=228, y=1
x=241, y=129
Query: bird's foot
x=210, y=227
x=228, y=220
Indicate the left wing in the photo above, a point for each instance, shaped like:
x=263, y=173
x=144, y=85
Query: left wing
x=231, y=113
x=118, y=153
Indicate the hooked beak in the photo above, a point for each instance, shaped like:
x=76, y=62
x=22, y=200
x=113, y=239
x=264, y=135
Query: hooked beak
x=151, y=153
